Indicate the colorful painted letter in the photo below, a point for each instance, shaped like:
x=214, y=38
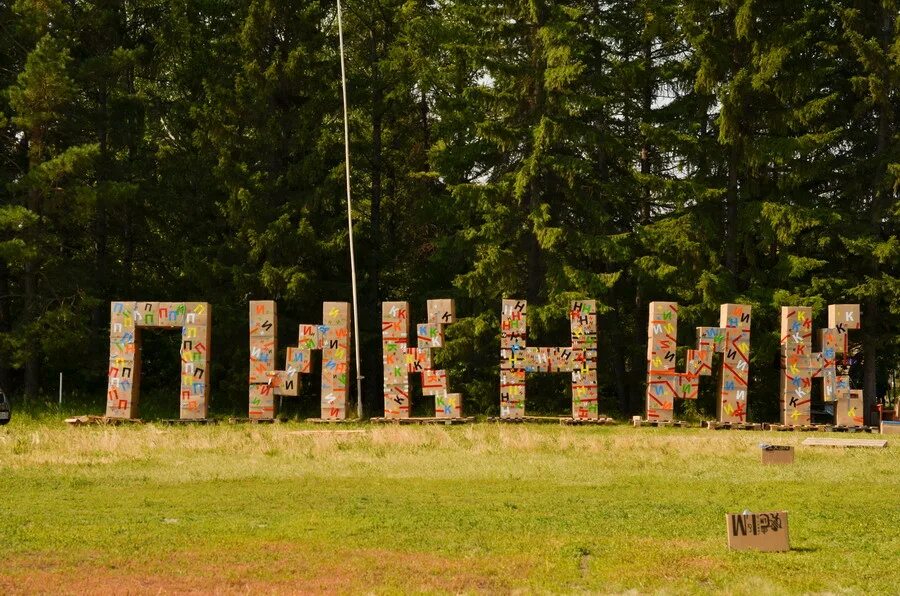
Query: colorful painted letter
x=800, y=365
x=332, y=337
x=126, y=321
x=399, y=359
x=665, y=384
x=517, y=359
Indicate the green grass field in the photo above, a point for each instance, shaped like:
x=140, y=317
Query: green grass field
x=480, y=508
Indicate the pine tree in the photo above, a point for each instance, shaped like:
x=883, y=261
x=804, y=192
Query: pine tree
x=51, y=190
x=866, y=259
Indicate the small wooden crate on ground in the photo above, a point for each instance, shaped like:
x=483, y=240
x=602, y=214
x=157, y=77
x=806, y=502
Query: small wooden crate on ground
x=816, y=442
x=798, y=427
x=890, y=427
x=101, y=420
x=716, y=425
x=189, y=421
x=602, y=421
x=237, y=420
x=329, y=433
x=853, y=429
x=822, y=428
x=463, y=420
x=529, y=419
x=659, y=423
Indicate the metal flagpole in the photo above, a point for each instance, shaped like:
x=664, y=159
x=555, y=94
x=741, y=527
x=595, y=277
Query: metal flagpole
x=359, y=377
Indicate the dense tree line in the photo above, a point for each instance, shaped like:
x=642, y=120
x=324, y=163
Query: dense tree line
x=703, y=151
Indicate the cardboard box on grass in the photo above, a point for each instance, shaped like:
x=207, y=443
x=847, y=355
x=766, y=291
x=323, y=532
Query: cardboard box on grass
x=776, y=454
x=766, y=532
x=849, y=410
x=890, y=427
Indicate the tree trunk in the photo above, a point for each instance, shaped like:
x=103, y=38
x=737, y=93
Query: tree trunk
x=5, y=324
x=646, y=118
x=377, y=174
x=370, y=326
x=538, y=106
x=740, y=56
x=426, y=125
x=617, y=350
x=32, y=266
x=101, y=224
x=870, y=357
x=639, y=338
x=731, y=210
x=535, y=260
x=33, y=359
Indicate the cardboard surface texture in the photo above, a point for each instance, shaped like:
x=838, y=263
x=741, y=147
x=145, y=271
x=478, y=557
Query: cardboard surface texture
x=266, y=381
x=665, y=384
x=800, y=365
x=766, y=532
x=890, y=427
x=777, y=454
x=124, y=373
x=579, y=359
x=399, y=358
x=849, y=410
x=873, y=443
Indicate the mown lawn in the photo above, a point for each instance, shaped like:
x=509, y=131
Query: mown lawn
x=447, y=509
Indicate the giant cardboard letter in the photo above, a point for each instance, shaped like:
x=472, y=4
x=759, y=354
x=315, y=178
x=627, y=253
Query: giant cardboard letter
x=517, y=359
x=399, y=359
x=332, y=337
x=800, y=365
x=665, y=384
x=126, y=321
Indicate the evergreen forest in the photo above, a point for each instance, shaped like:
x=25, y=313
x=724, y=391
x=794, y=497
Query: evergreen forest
x=698, y=151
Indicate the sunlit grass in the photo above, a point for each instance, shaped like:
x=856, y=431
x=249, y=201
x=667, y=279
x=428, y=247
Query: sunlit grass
x=470, y=508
